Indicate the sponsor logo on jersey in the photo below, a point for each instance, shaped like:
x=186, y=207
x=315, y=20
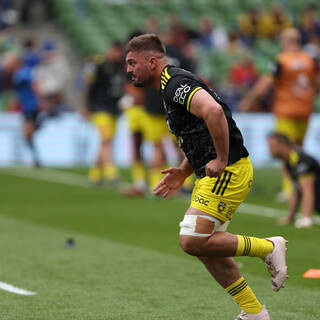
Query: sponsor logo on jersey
x=181, y=94
x=199, y=198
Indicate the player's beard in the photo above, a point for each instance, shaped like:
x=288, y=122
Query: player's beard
x=142, y=83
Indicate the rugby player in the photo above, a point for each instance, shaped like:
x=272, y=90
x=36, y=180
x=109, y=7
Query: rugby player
x=305, y=174
x=105, y=88
x=214, y=150
x=295, y=79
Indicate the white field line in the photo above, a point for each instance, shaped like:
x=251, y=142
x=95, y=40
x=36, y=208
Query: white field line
x=10, y=288
x=50, y=175
x=78, y=180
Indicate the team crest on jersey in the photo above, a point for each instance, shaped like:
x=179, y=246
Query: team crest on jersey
x=221, y=206
x=181, y=93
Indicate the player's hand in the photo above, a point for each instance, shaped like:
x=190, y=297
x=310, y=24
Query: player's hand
x=171, y=183
x=215, y=167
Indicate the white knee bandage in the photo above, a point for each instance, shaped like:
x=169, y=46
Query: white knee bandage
x=189, y=226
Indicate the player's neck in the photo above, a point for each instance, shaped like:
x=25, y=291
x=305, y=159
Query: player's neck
x=157, y=73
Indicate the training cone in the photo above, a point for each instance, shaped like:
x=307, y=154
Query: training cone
x=312, y=274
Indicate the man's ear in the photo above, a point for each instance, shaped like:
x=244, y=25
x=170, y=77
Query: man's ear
x=153, y=63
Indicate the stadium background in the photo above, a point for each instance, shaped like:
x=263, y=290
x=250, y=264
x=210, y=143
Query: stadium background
x=121, y=266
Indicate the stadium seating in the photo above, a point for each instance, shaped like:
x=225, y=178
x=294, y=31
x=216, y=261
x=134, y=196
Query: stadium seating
x=105, y=22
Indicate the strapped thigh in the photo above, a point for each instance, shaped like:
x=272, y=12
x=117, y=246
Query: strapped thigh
x=201, y=225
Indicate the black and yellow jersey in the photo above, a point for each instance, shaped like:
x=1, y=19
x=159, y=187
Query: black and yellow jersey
x=177, y=89
x=176, y=58
x=105, y=88
x=299, y=165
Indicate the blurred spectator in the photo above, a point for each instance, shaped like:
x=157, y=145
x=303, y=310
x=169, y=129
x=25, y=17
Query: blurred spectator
x=250, y=25
x=309, y=24
x=105, y=88
x=241, y=76
x=235, y=44
x=152, y=25
x=53, y=73
x=212, y=37
x=3, y=24
x=242, y=73
x=25, y=86
x=30, y=52
x=174, y=53
x=181, y=33
x=274, y=21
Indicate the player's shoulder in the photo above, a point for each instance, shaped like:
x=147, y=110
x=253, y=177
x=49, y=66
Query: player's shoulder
x=172, y=76
x=178, y=86
x=302, y=162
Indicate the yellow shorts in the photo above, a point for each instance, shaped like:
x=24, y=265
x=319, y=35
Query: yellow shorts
x=156, y=128
x=221, y=196
x=295, y=130
x=105, y=123
x=136, y=116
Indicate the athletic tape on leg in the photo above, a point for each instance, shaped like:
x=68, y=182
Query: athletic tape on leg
x=192, y=224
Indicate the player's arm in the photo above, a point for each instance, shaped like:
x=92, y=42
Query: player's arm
x=307, y=186
x=90, y=77
x=204, y=106
x=85, y=110
x=264, y=83
x=293, y=204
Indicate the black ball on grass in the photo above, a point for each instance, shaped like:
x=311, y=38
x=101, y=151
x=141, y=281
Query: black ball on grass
x=70, y=242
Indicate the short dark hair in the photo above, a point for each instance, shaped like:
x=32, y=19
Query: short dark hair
x=146, y=42
x=280, y=137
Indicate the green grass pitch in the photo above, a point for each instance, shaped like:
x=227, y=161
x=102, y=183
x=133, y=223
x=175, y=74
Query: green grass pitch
x=127, y=263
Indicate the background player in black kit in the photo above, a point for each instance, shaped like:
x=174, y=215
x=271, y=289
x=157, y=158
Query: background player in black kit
x=304, y=172
x=105, y=88
x=214, y=150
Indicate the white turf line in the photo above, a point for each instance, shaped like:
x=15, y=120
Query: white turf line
x=78, y=180
x=10, y=288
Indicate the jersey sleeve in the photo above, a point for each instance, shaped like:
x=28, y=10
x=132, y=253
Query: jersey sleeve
x=180, y=90
x=304, y=167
